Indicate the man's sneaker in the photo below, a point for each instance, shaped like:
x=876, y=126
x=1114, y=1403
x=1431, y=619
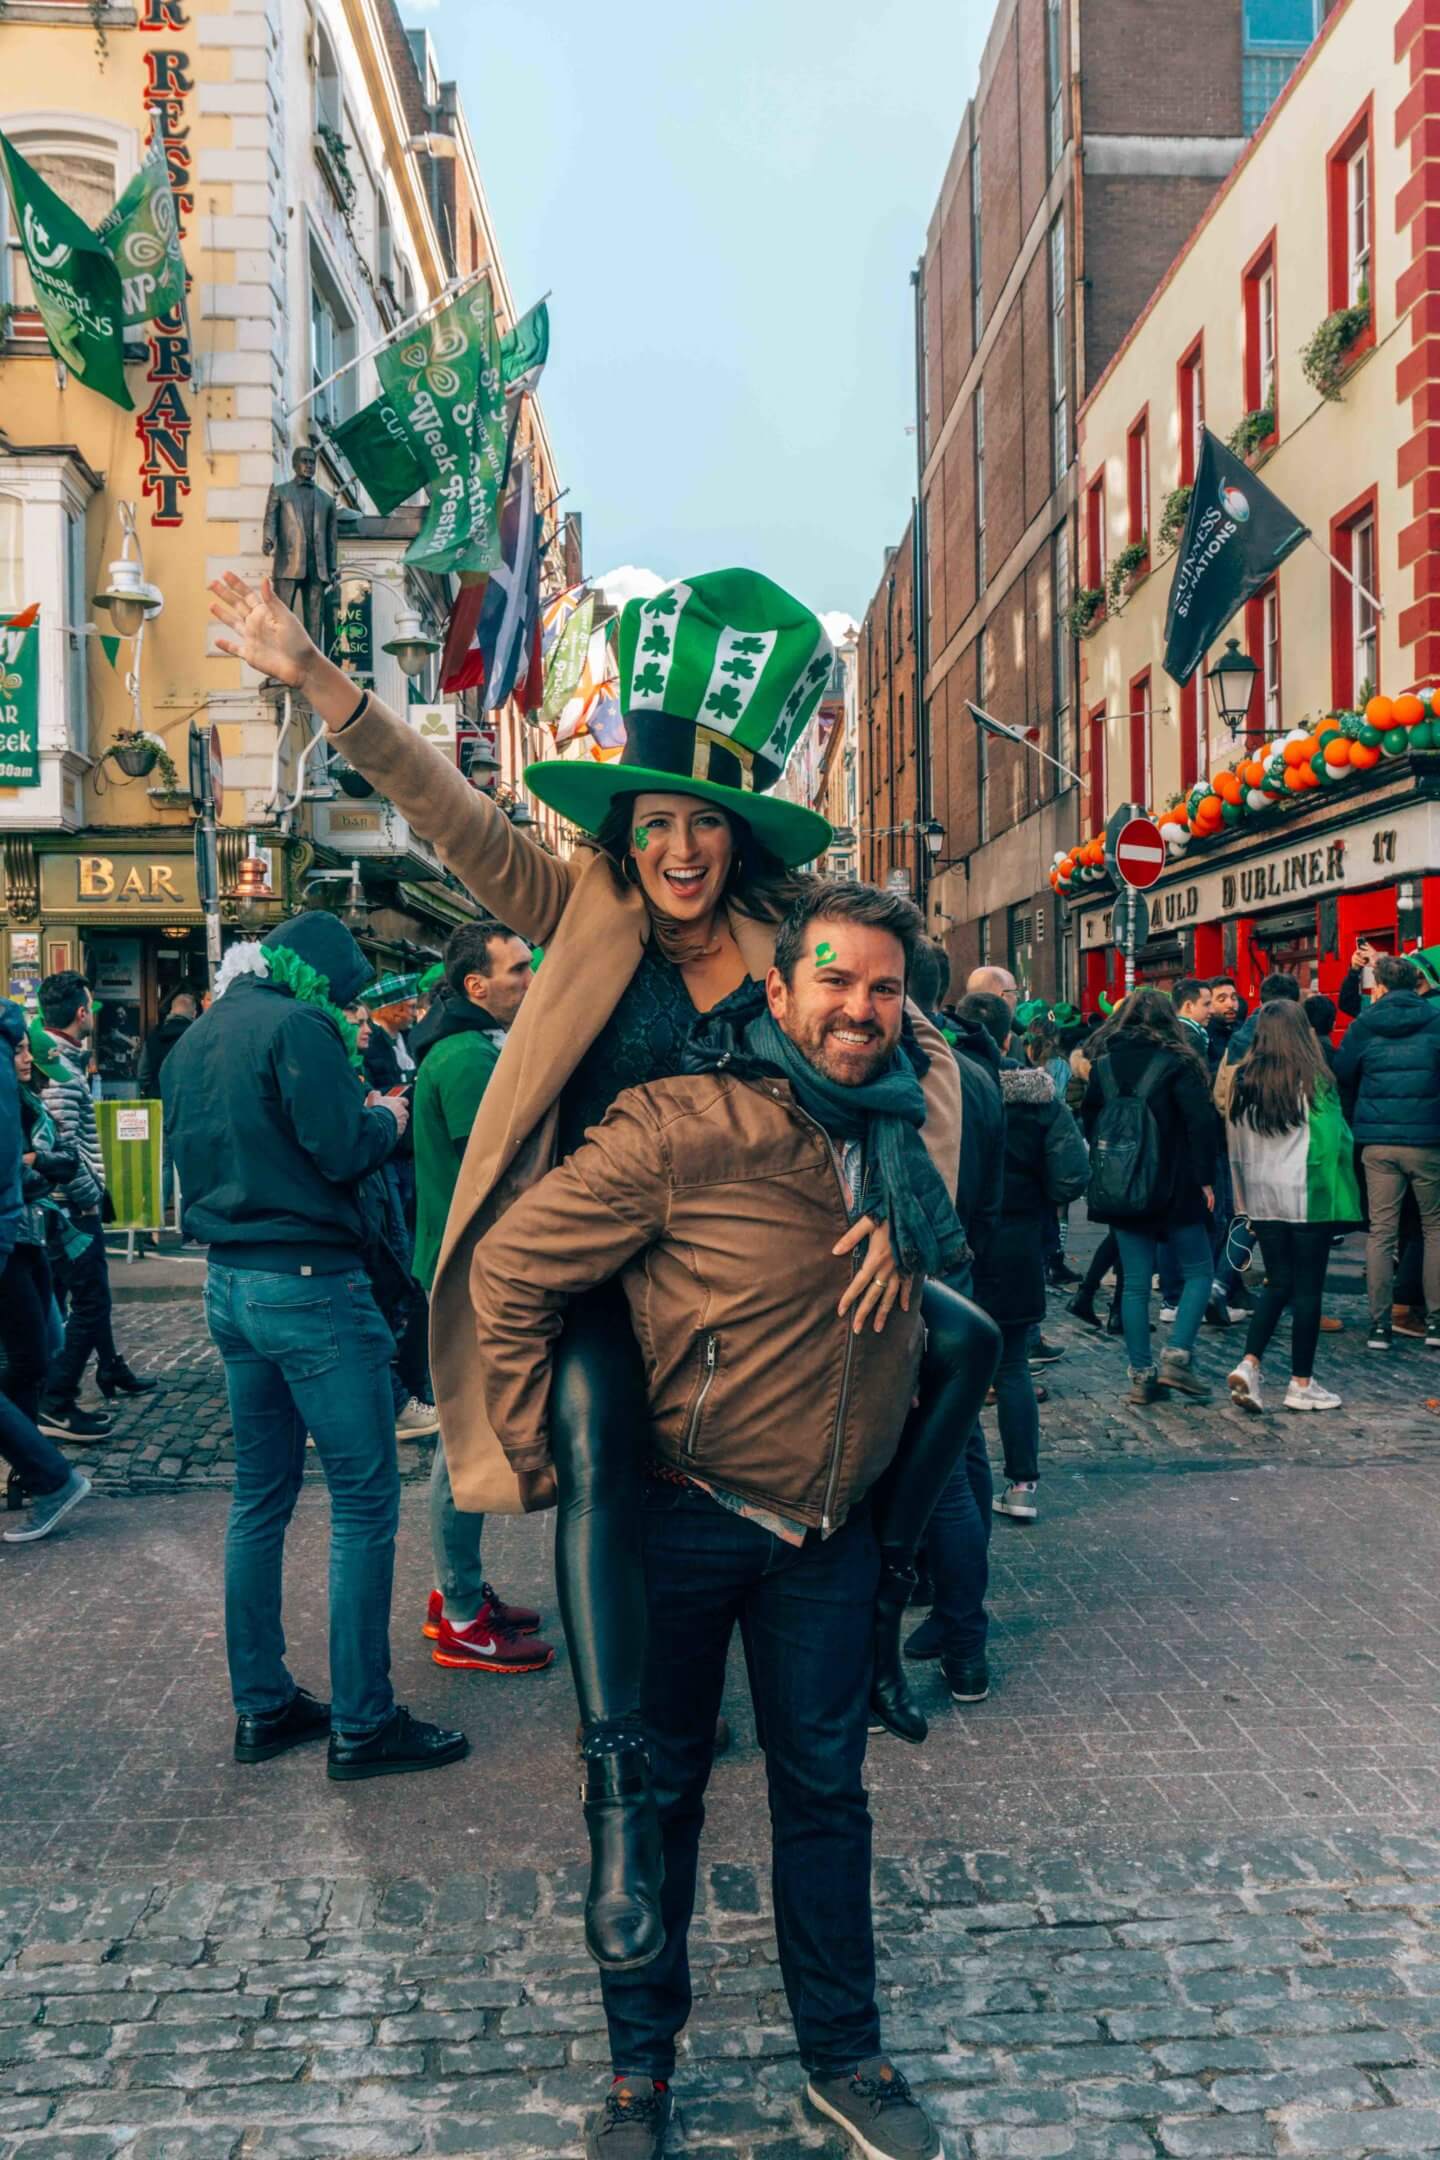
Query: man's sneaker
x=1432, y=1331
x=514, y=1619
x=1167, y=1315
x=1405, y=1320
x=402, y=1743
x=260, y=1737
x=877, y=2111
x=1177, y=1372
x=67, y=1421
x=485, y=1646
x=48, y=1510
x=967, y=1678
x=1019, y=1501
x=1217, y=1313
x=415, y=1419
x=927, y=1640
x=1313, y=1397
x=632, y=2123
x=1045, y=1353
x=1244, y=1386
x=1380, y=1336
x=1329, y=1325
x=1144, y=1388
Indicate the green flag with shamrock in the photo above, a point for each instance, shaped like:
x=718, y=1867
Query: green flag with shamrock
x=443, y=383
x=142, y=237
x=77, y=286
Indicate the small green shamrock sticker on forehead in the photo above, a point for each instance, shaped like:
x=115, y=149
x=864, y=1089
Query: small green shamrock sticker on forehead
x=642, y=837
x=824, y=954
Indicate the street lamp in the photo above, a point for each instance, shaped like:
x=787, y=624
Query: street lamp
x=410, y=646
x=522, y=815
x=1232, y=679
x=354, y=911
x=130, y=600
x=932, y=832
x=254, y=896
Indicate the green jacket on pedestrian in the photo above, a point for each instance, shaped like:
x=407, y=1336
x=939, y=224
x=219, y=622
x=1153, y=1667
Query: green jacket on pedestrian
x=454, y=1073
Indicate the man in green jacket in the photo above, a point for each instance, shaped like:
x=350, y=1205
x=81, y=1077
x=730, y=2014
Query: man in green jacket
x=487, y=973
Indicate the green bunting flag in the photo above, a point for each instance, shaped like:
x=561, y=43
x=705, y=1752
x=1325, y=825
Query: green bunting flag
x=379, y=452
x=77, y=286
x=110, y=646
x=443, y=383
x=141, y=235
x=525, y=349
x=565, y=662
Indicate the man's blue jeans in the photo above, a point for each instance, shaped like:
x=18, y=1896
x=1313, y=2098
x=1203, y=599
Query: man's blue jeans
x=1190, y=1244
x=805, y=1614
x=308, y=1353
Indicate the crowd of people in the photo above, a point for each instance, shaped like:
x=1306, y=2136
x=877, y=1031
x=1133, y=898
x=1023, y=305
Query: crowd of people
x=683, y=1198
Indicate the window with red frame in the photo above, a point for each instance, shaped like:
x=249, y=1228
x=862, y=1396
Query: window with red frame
x=1190, y=733
x=1354, y=618
x=1262, y=638
x=1191, y=387
x=1097, y=768
x=1137, y=477
x=1351, y=191
x=1140, y=778
x=1095, y=534
x=1261, y=384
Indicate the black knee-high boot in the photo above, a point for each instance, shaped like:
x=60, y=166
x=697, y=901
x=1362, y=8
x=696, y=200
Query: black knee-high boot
x=962, y=1349
x=597, y=1413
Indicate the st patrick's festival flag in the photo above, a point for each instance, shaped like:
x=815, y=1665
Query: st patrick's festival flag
x=525, y=349
x=141, y=235
x=565, y=627
x=77, y=286
x=492, y=628
x=592, y=721
x=443, y=383
x=1236, y=535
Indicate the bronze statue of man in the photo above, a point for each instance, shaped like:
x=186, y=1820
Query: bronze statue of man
x=299, y=533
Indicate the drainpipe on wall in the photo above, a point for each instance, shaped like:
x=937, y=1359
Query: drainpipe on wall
x=919, y=610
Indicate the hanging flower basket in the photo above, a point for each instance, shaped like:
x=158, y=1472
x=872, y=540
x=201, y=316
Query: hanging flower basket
x=135, y=759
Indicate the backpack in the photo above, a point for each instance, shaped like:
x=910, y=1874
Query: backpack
x=1127, y=1176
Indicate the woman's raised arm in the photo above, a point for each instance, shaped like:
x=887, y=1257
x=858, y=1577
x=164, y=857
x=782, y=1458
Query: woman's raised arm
x=517, y=881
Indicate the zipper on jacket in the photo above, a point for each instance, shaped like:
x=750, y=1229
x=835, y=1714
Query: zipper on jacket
x=832, y=1476
x=710, y=1358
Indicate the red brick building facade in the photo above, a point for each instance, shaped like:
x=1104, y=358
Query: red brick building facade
x=1097, y=135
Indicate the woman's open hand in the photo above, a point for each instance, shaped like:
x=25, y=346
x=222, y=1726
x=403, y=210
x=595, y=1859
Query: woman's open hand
x=268, y=637
x=877, y=1282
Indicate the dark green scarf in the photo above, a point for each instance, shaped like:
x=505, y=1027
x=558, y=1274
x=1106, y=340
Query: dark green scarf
x=885, y=1115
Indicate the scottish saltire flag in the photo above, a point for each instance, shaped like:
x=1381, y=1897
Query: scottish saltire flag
x=518, y=582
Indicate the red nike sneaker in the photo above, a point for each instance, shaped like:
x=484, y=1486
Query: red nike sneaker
x=485, y=1646
x=512, y=1619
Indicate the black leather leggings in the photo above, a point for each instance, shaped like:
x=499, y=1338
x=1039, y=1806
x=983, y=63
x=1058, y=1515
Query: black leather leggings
x=597, y=1430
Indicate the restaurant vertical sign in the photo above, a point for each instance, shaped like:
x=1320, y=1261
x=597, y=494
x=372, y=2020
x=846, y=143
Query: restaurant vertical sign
x=164, y=425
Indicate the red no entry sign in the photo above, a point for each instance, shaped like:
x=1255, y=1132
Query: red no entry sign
x=1139, y=853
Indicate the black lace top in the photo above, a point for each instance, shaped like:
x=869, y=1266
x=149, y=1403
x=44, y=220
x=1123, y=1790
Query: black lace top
x=641, y=1041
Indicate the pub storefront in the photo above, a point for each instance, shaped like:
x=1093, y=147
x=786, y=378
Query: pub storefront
x=1295, y=899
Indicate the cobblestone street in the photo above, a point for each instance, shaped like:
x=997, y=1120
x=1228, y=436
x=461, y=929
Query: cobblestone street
x=1171, y=1891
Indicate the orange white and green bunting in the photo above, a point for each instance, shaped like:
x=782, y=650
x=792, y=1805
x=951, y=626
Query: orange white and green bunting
x=1337, y=750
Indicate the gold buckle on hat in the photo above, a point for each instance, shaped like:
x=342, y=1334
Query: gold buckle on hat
x=707, y=742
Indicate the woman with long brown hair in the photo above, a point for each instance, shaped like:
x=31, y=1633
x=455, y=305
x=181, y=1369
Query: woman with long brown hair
x=666, y=914
x=1293, y=1162
x=1142, y=1051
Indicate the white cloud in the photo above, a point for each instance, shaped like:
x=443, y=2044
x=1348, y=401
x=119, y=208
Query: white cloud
x=629, y=582
x=840, y=628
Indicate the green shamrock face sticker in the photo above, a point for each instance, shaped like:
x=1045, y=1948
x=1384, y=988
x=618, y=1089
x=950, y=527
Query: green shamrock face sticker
x=642, y=837
x=823, y=955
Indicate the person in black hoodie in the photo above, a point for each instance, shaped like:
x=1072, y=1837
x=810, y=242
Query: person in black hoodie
x=1143, y=1049
x=179, y=1015
x=272, y=1139
x=1388, y=1067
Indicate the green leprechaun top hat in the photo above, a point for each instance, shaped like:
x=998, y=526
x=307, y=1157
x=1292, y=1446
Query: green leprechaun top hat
x=719, y=677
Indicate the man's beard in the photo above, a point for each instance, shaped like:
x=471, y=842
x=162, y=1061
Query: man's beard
x=849, y=1066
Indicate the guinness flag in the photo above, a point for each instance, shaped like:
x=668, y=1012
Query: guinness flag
x=1236, y=535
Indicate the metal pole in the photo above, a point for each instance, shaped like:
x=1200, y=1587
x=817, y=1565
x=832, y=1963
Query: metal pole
x=447, y=292
x=207, y=852
x=1129, y=952
x=1349, y=575
x=924, y=778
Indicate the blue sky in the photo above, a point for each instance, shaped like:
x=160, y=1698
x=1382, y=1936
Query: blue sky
x=727, y=202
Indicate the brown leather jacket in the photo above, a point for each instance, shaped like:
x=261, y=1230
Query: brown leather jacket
x=721, y=1201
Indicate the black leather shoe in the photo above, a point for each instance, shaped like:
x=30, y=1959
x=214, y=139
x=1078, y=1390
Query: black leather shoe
x=402, y=1743
x=302, y=1719
x=623, y=1927
x=117, y=1379
x=890, y=1698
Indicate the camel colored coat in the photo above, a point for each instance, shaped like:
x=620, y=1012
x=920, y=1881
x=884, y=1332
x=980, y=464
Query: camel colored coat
x=594, y=926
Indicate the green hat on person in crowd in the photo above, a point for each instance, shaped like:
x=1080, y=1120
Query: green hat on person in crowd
x=1427, y=959
x=431, y=979
x=719, y=678
x=47, y=1058
x=389, y=990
